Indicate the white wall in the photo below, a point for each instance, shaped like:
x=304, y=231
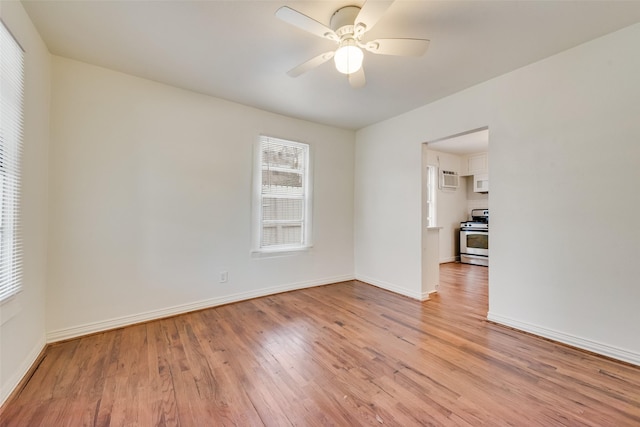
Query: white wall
x=151, y=200
x=388, y=241
x=22, y=330
x=558, y=128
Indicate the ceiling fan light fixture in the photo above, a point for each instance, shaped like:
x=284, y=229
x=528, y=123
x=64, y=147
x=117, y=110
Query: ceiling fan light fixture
x=348, y=57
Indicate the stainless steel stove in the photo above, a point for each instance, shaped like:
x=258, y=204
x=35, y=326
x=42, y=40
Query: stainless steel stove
x=474, y=238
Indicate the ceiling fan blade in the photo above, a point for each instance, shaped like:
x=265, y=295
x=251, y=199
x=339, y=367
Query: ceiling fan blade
x=357, y=79
x=399, y=47
x=305, y=23
x=370, y=13
x=312, y=63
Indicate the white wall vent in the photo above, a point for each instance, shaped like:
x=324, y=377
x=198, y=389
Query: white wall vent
x=449, y=179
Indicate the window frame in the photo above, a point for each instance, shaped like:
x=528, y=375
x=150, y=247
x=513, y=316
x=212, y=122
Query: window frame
x=431, y=196
x=258, y=200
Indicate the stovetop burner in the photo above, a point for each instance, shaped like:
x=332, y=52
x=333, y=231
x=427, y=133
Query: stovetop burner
x=479, y=220
x=474, y=225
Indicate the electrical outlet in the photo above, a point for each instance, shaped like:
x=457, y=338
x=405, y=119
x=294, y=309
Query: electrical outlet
x=224, y=276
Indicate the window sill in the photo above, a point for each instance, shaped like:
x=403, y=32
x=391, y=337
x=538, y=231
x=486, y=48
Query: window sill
x=260, y=253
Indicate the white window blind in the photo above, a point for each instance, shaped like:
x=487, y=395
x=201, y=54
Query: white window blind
x=284, y=194
x=11, y=117
x=431, y=194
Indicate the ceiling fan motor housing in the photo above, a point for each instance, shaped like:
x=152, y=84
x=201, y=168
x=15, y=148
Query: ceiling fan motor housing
x=343, y=19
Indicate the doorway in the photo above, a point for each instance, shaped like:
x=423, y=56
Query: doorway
x=455, y=182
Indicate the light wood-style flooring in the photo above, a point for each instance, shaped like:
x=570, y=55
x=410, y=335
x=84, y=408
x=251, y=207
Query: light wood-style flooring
x=347, y=354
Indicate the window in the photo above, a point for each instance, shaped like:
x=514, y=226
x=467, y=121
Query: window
x=11, y=113
x=432, y=173
x=282, y=196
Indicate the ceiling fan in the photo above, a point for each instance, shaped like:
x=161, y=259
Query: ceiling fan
x=347, y=27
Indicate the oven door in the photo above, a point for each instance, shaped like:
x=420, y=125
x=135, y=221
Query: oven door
x=474, y=242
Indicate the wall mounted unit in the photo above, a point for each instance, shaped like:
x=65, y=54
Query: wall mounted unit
x=481, y=183
x=448, y=179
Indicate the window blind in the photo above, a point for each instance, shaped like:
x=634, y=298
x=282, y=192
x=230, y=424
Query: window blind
x=11, y=124
x=283, y=195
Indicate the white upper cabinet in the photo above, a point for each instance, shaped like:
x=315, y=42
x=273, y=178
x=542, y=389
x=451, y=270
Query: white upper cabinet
x=478, y=163
x=475, y=163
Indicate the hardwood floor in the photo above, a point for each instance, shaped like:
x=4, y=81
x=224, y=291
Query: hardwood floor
x=346, y=354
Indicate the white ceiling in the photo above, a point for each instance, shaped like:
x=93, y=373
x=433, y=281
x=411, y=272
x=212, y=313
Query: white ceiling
x=467, y=143
x=238, y=50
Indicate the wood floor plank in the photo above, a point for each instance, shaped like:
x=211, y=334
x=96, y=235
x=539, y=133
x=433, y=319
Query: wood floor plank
x=343, y=354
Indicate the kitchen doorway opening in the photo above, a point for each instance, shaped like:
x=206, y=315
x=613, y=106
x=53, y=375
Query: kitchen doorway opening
x=455, y=190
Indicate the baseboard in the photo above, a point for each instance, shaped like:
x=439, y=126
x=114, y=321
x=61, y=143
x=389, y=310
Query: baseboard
x=572, y=340
x=390, y=287
x=119, y=322
x=29, y=362
x=450, y=259
x=426, y=296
